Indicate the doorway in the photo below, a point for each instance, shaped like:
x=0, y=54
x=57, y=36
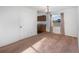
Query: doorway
x=57, y=23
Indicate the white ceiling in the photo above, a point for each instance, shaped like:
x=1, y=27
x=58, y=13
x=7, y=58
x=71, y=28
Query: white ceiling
x=53, y=9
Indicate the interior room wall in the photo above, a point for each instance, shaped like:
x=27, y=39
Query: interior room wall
x=28, y=22
x=11, y=19
x=70, y=20
x=78, y=27
x=48, y=22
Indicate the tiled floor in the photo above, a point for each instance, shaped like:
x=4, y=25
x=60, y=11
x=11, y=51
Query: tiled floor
x=43, y=43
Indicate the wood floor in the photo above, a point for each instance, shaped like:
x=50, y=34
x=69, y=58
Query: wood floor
x=43, y=43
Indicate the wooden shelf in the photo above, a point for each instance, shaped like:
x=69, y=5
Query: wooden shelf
x=41, y=18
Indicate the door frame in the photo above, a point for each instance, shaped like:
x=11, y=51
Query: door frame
x=62, y=24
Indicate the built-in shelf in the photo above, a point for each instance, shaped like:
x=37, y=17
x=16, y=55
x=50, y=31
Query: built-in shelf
x=41, y=18
x=41, y=24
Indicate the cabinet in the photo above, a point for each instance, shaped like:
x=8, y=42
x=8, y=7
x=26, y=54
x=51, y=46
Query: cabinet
x=41, y=27
x=41, y=18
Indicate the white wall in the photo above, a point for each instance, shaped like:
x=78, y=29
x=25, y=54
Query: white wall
x=41, y=13
x=29, y=22
x=78, y=26
x=48, y=22
x=70, y=20
x=11, y=18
